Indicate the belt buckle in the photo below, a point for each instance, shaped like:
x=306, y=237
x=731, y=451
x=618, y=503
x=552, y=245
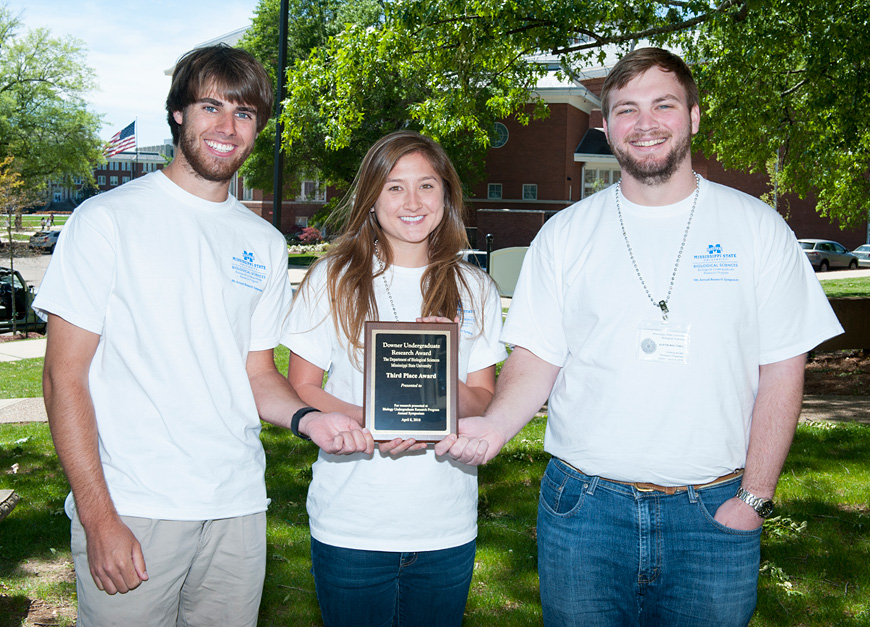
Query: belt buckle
x=637, y=486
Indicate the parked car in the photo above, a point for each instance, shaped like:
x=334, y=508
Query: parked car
x=44, y=240
x=474, y=257
x=15, y=293
x=863, y=255
x=825, y=254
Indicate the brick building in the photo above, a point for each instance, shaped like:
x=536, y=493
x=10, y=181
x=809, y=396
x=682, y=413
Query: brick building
x=132, y=164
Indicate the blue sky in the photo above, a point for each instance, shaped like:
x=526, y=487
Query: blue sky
x=129, y=44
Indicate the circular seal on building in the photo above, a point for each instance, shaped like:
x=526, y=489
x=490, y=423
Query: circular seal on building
x=648, y=346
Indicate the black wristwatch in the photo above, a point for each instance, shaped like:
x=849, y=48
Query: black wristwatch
x=762, y=507
x=294, y=422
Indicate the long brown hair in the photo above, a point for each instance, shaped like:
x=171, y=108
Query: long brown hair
x=350, y=282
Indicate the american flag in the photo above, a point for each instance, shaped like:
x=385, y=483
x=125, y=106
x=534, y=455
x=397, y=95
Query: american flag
x=125, y=139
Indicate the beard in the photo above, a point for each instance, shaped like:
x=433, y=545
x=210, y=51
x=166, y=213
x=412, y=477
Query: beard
x=205, y=165
x=654, y=171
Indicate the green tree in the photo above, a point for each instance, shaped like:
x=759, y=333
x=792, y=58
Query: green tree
x=789, y=80
x=44, y=120
x=310, y=24
x=779, y=76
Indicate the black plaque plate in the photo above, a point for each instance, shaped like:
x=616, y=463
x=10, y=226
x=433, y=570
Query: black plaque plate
x=411, y=375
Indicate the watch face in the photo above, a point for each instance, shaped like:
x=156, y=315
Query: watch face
x=765, y=509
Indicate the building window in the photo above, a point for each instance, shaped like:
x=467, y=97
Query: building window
x=125, y=179
x=101, y=179
x=500, y=135
x=113, y=181
x=302, y=221
x=311, y=191
x=530, y=191
x=493, y=191
x=247, y=191
x=596, y=179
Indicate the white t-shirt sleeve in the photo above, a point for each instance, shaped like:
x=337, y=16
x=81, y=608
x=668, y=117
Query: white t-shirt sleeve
x=78, y=283
x=487, y=348
x=268, y=318
x=534, y=319
x=794, y=315
x=309, y=331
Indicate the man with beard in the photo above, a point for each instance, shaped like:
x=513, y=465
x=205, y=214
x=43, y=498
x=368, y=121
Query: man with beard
x=667, y=319
x=165, y=298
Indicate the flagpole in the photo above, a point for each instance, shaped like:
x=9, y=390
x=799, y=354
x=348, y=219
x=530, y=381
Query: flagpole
x=136, y=139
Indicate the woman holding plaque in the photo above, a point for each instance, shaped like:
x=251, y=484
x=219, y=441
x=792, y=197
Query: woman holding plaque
x=393, y=532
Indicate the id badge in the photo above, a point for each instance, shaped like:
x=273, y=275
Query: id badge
x=664, y=342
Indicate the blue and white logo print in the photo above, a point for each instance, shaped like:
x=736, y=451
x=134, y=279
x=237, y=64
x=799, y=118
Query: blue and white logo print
x=247, y=272
x=717, y=265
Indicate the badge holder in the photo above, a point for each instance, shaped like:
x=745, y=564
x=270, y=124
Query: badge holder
x=663, y=341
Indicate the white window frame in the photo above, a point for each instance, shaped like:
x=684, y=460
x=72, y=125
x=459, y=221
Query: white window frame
x=318, y=195
x=494, y=191
x=530, y=191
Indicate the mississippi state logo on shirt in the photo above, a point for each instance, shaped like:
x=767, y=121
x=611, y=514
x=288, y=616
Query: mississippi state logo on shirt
x=715, y=264
x=247, y=272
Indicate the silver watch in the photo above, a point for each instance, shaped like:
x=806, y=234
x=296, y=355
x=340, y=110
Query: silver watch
x=762, y=507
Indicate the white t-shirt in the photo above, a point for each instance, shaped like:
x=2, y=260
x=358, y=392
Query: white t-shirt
x=179, y=289
x=744, y=289
x=416, y=502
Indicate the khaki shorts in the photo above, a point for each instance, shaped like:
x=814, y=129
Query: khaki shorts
x=206, y=573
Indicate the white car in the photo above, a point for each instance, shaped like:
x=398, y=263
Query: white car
x=44, y=240
x=863, y=255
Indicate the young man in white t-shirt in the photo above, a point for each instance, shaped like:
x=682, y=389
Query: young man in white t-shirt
x=165, y=299
x=667, y=320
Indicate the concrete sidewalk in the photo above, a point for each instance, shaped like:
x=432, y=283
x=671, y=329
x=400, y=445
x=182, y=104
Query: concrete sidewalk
x=22, y=349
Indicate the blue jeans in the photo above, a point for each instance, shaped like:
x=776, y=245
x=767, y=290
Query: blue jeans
x=609, y=554
x=385, y=589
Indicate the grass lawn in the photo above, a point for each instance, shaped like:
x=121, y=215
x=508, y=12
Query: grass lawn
x=21, y=379
x=301, y=259
x=814, y=553
x=838, y=288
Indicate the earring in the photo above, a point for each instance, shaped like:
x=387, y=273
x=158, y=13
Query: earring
x=372, y=210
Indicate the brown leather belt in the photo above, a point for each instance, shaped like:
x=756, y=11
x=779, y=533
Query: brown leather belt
x=654, y=487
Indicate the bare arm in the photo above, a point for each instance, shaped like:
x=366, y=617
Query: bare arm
x=307, y=380
x=774, y=419
x=477, y=392
x=277, y=401
x=114, y=554
x=523, y=386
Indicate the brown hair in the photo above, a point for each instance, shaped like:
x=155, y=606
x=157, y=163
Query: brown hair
x=350, y=282
x=233, y=73
x=639, y=61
